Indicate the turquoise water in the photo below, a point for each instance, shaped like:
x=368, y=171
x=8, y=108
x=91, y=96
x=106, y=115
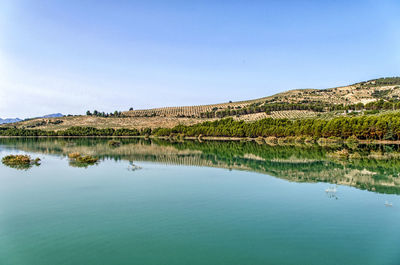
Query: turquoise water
x=184, y=212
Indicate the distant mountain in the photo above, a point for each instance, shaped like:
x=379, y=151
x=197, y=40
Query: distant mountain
x=54, y=115
x=4, y=121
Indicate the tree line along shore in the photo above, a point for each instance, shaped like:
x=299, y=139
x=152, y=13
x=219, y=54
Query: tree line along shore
x=366, y=127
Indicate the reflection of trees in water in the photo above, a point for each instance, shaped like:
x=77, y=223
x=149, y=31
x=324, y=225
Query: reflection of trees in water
x=294, y=163
x=332, y=196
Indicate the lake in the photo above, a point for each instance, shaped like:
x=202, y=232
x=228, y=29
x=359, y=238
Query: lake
x=190, y=202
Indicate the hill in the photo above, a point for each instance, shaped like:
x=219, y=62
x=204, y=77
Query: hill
x=363, y=92
x=377, y=95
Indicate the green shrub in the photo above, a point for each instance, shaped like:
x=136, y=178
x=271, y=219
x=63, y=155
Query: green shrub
x=20, y=161
x=77, y=160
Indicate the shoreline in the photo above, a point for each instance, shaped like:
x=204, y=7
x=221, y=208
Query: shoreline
x=283, y=140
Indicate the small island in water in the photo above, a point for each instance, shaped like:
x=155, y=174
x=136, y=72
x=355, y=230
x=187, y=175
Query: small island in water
x=20, y=161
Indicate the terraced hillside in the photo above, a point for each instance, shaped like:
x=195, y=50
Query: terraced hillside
x=375, y=95
x=189, y=111
x=364, y=92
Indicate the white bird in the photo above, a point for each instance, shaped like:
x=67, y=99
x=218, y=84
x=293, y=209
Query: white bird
x=389, y=204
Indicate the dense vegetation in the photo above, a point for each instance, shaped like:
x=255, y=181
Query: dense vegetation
x=371, y=127
x=74, y=131
x=383, y=127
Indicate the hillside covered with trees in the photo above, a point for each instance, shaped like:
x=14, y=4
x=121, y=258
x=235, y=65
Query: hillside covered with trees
x=367, y=127
x=382, y=127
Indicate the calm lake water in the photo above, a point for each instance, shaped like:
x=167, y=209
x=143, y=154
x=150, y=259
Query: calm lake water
x=198, y=203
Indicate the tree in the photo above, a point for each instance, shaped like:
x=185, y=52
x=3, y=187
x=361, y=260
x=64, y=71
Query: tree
x=130, y=109
x=359, y=106
x=88, y=113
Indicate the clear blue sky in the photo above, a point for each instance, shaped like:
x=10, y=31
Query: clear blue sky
x=71, y=56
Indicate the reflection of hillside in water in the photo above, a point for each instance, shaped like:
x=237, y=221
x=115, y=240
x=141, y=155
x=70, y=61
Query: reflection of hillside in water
x=293, y=163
